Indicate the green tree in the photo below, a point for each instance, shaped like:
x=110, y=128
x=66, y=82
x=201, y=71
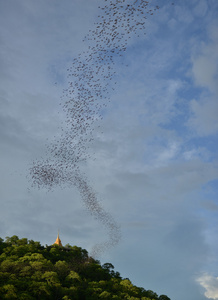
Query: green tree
x=12, y=240
x=62, y=269
x=31, y=271
x=163, y=297
x=8, y=291
x=105, y=295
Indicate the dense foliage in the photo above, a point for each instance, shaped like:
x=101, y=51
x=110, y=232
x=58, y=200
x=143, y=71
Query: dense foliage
x=30, y=271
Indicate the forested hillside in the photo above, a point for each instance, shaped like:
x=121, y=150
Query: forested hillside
x=29, y=270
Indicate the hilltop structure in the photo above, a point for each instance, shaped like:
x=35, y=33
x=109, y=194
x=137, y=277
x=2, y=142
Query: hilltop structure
x=58, y=241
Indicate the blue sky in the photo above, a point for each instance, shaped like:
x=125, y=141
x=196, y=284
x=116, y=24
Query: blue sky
x=153, y=160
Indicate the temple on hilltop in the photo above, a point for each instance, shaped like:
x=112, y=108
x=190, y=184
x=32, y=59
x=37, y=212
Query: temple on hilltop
x=58, y=241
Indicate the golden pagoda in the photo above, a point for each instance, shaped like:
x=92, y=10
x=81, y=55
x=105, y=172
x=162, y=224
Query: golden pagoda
x=58, y=241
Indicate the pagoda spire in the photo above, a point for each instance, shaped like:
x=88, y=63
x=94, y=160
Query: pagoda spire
x=58, y=241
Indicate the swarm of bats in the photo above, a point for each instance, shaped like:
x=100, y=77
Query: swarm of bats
x=91, y=78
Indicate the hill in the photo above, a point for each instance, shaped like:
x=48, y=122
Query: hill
x=30, y=271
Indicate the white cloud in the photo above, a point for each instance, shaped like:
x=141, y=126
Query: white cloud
x=210, y=283
x=183, y=14
x=205, y=67
x=168, y=153
x=201, y=8
x=205, y=73
x=204, y=120
x=196, y=153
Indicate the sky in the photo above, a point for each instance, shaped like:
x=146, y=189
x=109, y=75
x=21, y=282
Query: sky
x=151, y=162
